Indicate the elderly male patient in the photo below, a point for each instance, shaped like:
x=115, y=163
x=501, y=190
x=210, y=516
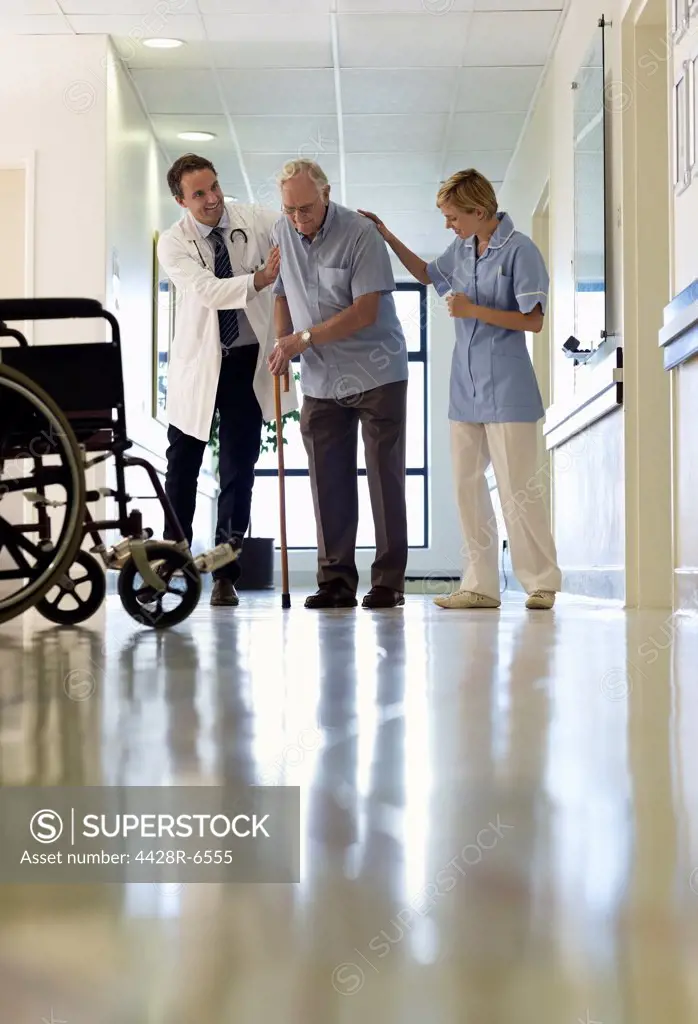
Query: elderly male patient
x=334, y=305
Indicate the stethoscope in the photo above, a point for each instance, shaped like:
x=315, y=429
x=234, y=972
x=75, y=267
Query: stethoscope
x=233, y=233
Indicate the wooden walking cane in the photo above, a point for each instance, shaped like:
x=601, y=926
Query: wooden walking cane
x=285, y=594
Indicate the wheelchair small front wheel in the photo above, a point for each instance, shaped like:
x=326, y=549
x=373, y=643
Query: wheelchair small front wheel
x=77, y=594
x=155, y=607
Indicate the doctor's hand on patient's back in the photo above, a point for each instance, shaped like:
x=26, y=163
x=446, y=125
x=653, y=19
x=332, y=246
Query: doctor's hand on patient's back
x=269, y=273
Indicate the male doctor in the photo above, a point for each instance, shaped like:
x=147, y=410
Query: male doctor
x=221, y=259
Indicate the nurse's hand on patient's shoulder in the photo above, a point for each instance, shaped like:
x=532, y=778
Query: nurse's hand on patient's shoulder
x=460, y=306
x=265, y=277
x=378, y=222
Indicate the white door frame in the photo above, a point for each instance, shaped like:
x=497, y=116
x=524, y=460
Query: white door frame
x=10, y=162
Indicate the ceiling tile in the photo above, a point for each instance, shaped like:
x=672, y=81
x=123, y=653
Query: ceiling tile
x=131, y=29
x=504, y=89
x=219, y=150
x=154, y=15
x=385, y=199
x=393, y=168
x=291, y=41
x=180, y=92
x=402, y=41
x=398, y=133
x=433, y=7
x=196, y=55
x=514, y=37
x=24, y=7
x=414, y=91
x=306, y=137
x=518, y=5
x=275, y=7
x=33, y=25
x=486, y=131
x=264, y=167
x=273, y=91
x=492, y=164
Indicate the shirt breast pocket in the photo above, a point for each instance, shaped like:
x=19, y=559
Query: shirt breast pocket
x=504, y=293
x=335, y=287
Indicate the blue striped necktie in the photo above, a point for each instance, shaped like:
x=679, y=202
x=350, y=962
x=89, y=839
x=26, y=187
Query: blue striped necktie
x=227, y=318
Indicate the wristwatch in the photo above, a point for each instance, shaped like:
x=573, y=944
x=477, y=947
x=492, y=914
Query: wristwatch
x=306, y=338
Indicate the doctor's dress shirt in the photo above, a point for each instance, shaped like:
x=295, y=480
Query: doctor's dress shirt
x=246, y=335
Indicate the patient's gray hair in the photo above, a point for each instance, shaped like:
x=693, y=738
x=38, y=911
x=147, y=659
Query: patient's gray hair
x=309, y=167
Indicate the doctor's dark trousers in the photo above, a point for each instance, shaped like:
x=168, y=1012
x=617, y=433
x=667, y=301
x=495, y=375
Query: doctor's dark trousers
x=240, y=434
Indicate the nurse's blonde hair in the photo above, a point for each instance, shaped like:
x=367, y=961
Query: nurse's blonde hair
x=469, y=190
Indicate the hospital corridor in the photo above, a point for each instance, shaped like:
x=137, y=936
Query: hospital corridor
x=348, y=547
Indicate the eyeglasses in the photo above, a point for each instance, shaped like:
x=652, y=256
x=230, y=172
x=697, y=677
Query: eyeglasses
x=301, y=211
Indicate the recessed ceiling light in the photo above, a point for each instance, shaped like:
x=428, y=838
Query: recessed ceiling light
x=163, y=44
x=196, y=136
x=231, y=199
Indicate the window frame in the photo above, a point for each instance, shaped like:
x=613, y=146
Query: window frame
x=417, y=356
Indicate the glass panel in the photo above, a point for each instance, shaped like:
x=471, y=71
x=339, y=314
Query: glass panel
x=300, y=517
x=415, y=420
x=408, y=310
x=589, y=198
x=295, y=456
x=415, y=417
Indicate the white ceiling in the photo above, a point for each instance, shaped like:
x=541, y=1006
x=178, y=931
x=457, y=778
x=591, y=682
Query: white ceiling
x=389, y=96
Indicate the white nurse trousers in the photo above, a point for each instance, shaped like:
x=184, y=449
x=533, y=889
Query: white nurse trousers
x=512, y=448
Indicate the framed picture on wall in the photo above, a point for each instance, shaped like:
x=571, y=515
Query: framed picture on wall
x=164, y=309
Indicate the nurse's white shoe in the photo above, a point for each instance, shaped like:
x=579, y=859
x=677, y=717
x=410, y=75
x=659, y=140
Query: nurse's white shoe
x=541, y=600
x=466, y=599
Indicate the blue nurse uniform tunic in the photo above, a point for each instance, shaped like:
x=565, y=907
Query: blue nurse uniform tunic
x=492, y=376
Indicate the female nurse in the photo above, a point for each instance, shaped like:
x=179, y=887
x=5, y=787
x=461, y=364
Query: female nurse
x=498, y=286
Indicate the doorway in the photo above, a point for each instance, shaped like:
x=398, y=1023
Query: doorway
x=15, y=283
x=646, y=291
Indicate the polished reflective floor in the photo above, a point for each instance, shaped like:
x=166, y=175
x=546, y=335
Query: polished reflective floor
x=499, y=815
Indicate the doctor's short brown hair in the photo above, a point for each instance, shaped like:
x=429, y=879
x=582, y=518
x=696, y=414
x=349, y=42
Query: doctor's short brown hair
x=469, y=190
x=185, y=165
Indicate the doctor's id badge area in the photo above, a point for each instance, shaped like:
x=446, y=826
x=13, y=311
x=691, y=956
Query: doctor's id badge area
x=170, y=835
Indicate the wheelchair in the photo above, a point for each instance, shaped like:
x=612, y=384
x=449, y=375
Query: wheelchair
x=62, y=412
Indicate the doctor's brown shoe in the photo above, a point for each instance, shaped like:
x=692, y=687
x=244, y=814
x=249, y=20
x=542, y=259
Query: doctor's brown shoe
x=383, y=597
x=224, y=594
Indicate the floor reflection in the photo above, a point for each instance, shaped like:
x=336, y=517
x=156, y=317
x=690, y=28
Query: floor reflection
x=499, y=816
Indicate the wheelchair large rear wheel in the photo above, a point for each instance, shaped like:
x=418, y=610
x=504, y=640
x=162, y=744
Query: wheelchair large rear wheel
x=42, y=493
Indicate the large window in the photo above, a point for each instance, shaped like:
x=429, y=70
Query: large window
x=410, y=301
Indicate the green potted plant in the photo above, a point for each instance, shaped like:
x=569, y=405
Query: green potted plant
x=257, y=556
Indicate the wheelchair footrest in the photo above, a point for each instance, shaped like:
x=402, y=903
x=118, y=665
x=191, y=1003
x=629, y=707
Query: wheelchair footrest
x=38, y=499
x=219, y=556
x=101, y=492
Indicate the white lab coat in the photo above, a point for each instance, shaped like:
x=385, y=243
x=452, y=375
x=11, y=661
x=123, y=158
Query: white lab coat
x=195, y=358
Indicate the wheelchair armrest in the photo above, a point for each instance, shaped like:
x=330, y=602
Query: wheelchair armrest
x=49, y=309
